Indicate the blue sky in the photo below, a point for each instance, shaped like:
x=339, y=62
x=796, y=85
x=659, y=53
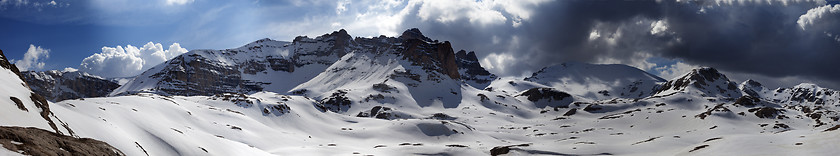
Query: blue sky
x=778, y=42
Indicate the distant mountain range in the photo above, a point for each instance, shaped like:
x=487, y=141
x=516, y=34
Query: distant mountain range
x=412, y=95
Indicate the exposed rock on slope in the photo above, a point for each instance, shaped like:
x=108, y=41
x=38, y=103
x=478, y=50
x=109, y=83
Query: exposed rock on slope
x=34, y=141
x=62, y=85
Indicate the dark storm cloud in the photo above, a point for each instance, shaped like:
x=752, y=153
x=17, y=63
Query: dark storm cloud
x=557, y=32
x=761, y=39
x=750, y=38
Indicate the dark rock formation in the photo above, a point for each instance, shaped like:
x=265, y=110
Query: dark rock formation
x=192, y=75
x=432, y=56
x=766, y=112
x=57, y=85
x=472, y=69
x=336, y=102
x=379, y=112
x=747, y=100
x=536, y=94
x=34, y=141
x=4, y=62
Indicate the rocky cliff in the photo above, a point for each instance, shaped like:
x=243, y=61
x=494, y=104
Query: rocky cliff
x=62, y=85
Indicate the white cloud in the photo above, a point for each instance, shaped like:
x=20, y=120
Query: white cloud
x=341, y=6
x=814, y=15
x=70, y=69
x=387, y=17
x=497, y=61
x=128, y=61
x=594, y=35
x=33, y=59
x=481, y=12
x=178, y=2
x=658, y=28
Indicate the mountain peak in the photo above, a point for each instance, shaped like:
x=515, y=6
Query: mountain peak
x=709, y=73
x=807, y=86
x=462, y=54
x=340, y=34
x=707, y=80
x=414, y=33
x=752, y=83
x=752, y=88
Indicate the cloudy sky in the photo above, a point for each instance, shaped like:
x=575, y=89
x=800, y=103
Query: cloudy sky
x=779, y=43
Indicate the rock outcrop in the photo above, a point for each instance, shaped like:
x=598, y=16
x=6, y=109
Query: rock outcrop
x=431, y=55
x=34, y=141
x=471, y=70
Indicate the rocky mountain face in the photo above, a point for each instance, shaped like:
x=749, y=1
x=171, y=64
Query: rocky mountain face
x=471, y=71
x=62, y=85
x=268, y=65
x=24, y=108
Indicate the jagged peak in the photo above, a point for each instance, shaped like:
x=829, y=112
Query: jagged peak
x=414, y=33
x=339, y=34
x=462, y=54
x=751, y=87
x=752, y=83
x=62, y=73
x=704, y=74
x=4, y=63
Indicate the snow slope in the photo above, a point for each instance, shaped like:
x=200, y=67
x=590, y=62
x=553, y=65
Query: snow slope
x=21, y=107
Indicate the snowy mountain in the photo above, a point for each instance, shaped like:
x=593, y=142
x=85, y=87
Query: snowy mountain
x=62, y=85
x=412, y=95
x=706, y=82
